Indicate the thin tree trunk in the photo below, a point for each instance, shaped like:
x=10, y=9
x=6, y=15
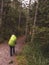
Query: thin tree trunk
x=2, y=7
x=1, y=12
x=19, y=18
x=28, y=18
x=33, y=32
x=20, y=8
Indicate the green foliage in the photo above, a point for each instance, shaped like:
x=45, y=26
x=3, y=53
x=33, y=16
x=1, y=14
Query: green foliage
x=37, y=53
x=10, y=21
x=21, y=60
x=43, y=15
x=34, y=55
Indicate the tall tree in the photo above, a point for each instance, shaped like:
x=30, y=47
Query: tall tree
x=34, y=24
x=20, y=10
x=28, y=18
x=1, y=11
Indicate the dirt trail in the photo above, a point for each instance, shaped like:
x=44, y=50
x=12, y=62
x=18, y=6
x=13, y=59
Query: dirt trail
x=4, y=51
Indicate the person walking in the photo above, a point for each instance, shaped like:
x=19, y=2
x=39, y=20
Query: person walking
x=12, y=43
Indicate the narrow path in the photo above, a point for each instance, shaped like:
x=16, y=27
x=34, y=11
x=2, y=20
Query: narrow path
x=4, y=52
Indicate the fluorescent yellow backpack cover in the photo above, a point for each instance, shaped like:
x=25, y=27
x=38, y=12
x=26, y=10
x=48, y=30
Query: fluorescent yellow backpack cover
x=12, y=40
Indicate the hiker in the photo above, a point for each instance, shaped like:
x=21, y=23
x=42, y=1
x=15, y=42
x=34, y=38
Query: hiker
x=12, y=42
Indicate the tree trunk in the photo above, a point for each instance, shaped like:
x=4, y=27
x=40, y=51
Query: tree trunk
x=33, y=32
x=1, y=11
x=27, y=17
x=28, y=20
x=20, y=8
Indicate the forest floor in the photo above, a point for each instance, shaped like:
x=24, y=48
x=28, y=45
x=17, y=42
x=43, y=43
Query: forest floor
x=5, y=55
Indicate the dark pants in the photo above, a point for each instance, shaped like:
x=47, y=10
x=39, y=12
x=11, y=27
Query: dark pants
x=12, y=50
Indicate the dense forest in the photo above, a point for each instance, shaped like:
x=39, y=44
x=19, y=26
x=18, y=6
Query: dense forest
x=31, y=21
x=12, y=19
